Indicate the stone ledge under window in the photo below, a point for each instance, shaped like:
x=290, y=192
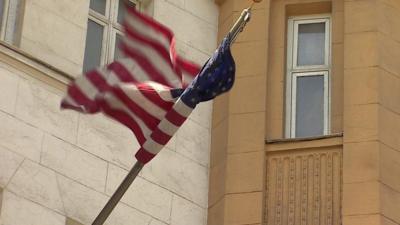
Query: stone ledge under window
x=304, y=143
x=33, y=66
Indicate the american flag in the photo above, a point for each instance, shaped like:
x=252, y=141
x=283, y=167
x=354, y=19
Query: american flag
x=152, y=90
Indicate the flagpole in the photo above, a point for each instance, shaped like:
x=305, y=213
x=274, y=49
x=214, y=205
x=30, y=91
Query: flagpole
x=123, y=187
x=116, y=197
x=239, y=24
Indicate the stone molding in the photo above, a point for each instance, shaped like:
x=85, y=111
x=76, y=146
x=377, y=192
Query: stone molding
x=33, y=66
x=304, y=187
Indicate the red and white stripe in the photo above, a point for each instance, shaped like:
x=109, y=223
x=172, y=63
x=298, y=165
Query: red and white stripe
x=136, y=90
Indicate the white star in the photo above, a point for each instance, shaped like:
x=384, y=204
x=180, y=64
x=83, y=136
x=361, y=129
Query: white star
x=223, y=88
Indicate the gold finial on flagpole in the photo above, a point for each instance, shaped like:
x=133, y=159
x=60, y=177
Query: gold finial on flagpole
x=241, y=22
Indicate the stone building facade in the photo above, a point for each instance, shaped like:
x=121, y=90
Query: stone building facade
x=263, y=169
x=251, y=157
x=60, y=167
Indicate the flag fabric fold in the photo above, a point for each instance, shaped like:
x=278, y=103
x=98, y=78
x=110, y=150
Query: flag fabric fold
x=152, y=90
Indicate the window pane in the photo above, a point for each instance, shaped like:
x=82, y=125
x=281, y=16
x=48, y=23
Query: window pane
x=121, y=10
x=94, y=41
x=12, y=29
x=98, y=6
x=117, y=51
x=1, y=11
x=311, y=44
x=310, y=106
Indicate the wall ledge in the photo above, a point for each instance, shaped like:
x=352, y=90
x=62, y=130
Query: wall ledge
x=304, y=143
x=32, y=66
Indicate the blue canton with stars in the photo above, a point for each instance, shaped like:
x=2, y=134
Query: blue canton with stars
x=216, y=77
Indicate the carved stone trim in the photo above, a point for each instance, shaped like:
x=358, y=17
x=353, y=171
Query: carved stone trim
x=33, y=67
x=304, y=144
x=304, y=187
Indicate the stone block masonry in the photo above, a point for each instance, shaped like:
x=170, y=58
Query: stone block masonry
x=60, y=167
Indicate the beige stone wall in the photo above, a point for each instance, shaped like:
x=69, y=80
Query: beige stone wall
x=304, y=182
x=371, y=124
x=276, y=78
x=237, y=155
x=60, y=167
x=55, y=32
x=362, y=165
x=247, y=183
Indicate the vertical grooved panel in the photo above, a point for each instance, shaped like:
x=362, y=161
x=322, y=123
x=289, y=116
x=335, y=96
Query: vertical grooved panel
x=317, y=186
x=304, y=187
x=279, y=193
x=271, y=186
x=304, y=196
x=297, y=181
x=285, y=197
x=1, y=198
x=292, y=191
x=323, y=189
x=329, y=190
x=336, y=188
x=310, y=188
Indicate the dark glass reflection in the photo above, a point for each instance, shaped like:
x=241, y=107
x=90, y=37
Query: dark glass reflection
x=310, y=106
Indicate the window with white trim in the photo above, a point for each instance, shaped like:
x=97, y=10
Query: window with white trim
x=308, y=76
x=10, y=20
x=104, y=32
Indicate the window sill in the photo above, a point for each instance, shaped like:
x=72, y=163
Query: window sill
x=304, y=143
x=32, y=66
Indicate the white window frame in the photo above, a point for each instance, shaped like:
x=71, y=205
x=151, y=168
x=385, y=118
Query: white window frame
x=9, y=27
x=4, y=19
x=295, y=76
x=296, y=23
x=111, y=28
x=294, y=71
